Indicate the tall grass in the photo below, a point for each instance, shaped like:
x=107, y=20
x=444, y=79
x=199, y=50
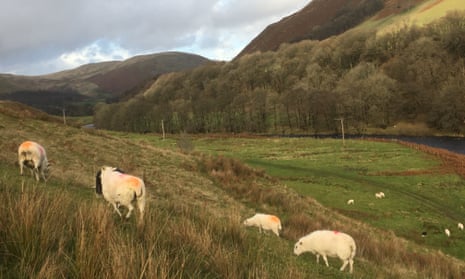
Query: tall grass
x=51, y=234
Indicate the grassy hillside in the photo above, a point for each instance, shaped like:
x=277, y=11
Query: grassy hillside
x=197, y=201
x=422, y=14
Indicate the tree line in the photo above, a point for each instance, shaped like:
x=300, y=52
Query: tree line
x=369, y=79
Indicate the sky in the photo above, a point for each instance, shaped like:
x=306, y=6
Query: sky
x=46, y=36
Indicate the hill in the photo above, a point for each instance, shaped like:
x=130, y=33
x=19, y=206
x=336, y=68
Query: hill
x=321, y=19
x=193, y=225
x=78, y=89
x=374, y=78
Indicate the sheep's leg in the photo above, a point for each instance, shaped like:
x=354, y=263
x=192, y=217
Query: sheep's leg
x=141, y=205
x=345, y=262
x=325, y=259
x=351, y=265
x=42, y=173
x=36, y=173
x=317, y=258
x=130, y=209
x=21, y=166
x=276, y=231
x=117, y=210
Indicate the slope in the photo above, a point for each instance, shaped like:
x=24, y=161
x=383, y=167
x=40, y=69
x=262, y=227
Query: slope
x=193, y=226
x=93, y=82
x=321, y=19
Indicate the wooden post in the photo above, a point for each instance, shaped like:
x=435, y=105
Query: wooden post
x=64, y=116
x=342, y=130
x=343, y=134
x=163, y=129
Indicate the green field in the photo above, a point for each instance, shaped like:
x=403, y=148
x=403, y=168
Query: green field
x=419, y=197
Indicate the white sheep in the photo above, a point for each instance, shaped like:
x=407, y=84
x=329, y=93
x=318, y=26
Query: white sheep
x=33, y=155
x=447, y=232
x=328, y=243
x=350, y=201
x=265, y=222
x=379, y=195
x=119, y=189
x=460, y=226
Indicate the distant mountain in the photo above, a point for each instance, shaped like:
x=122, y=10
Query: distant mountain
x=78, y=89
x=321, y=19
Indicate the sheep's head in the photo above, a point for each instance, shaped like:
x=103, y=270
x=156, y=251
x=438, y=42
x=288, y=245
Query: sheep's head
x=98, y=182
x=298, y=248
x=250, y=222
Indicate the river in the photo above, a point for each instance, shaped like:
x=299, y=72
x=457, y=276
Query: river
x=453, y=144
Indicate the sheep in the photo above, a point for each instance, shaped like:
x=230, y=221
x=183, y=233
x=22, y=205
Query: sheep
x=265, y=222
x=33, y=155
x=447, y=232
x=460, y=226
x=379, y=195
x=119, y=189
x=350, y=202
x=328, y=243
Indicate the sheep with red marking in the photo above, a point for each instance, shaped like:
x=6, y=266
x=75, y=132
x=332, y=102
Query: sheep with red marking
x=328, y=244
x=119, y=189
x=33, y=156
x=265, y=222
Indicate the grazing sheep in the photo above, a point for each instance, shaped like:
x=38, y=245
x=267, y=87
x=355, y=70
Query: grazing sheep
x=460, y=226
x=379, y=195
x=32, y=155
x=119, y=189
x=264, y=222
x=350, y=202
x=328, y=243
x=447, y=232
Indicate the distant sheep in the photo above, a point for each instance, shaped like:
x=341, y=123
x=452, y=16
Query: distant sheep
x=447, y=232
x=379, y=195
x=460, y=226
x=119, y=189
x=328, y=243
x=350, y=202
x=33, y=155
x=265, y=222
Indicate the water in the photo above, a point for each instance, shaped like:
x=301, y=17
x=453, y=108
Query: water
x=452, y=144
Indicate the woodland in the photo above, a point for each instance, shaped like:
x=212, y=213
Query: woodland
x=411, y=74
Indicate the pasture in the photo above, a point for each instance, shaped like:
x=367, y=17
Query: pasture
x=202, y=188
x=421, y=193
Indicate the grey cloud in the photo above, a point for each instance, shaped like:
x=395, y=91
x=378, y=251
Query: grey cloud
x=33, y=32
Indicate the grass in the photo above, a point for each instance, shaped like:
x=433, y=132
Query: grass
x=420, y=15
x=198, y=197
x=421, y=194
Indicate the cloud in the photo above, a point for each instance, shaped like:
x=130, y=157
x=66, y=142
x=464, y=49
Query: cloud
x=44, y=36
x=96, y=52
